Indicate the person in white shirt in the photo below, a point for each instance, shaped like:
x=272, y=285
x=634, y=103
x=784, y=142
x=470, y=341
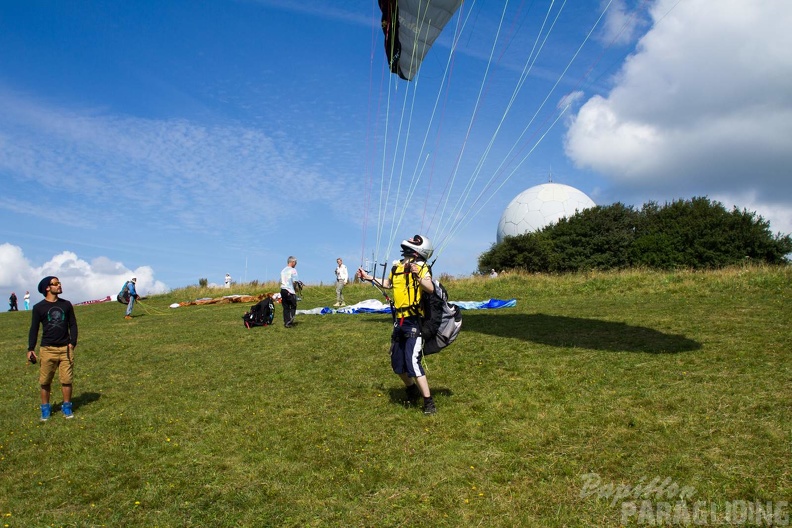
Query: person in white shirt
x=288, y=282
x=227, y=280
x=342, y=277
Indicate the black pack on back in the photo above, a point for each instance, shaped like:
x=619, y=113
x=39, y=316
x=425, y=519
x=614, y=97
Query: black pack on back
x=260, y=314
x=123, y=295
x=442, y=320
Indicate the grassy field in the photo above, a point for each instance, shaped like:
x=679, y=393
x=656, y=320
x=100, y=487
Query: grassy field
x=597, y=401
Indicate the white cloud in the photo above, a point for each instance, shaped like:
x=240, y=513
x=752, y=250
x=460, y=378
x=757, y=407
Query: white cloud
x=703, y=107
x=14, y=268
x=570, y=99
x=82, y=281
x=176, y=168
x=621, y=24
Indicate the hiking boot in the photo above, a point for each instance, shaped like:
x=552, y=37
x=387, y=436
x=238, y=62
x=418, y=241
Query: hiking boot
x=127, y=317
x=429, y=407
x=46, y=410
x=67, y=410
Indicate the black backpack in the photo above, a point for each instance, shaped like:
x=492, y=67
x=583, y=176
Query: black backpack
x=260, y=314
x=123, y=295
x=442, y=320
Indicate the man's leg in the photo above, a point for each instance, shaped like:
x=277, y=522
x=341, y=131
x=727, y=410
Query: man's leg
x=48, y=361
x=67, y=392
x=66, y=373
x=48, y=366
x=293, y=309
x=285, y=306
x=46, y=410
x=416, y=347
x=289, y=303
x=415, y=374
x=423, y=384
x=45, y=394
x=67, y=405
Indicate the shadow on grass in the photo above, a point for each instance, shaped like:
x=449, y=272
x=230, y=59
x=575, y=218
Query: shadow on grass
x=398, y=395
x=576, y=332
x=78, y=401
x=85, y=398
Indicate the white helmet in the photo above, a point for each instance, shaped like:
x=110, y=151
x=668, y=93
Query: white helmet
x=417, y=245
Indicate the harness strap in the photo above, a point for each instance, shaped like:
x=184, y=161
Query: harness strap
x=414, y=307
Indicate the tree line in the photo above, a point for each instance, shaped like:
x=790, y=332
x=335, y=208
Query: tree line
x=697, y=234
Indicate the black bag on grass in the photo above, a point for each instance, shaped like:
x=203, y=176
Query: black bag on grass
x=260, y=314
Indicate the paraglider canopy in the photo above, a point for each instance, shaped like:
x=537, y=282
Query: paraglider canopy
x=411, y=27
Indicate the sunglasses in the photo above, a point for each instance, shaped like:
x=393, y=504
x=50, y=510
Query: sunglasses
x=56, y=283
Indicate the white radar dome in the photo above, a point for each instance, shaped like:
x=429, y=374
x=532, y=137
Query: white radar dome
x=540, y=206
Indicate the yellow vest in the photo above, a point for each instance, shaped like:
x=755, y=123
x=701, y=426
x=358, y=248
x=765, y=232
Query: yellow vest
x=406, y=292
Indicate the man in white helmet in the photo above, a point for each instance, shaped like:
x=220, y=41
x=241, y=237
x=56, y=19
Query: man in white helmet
x=410, y=278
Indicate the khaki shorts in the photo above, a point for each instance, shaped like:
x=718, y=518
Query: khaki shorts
x=55, y=359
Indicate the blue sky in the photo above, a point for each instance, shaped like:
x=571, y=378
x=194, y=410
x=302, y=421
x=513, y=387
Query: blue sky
x=178, y=140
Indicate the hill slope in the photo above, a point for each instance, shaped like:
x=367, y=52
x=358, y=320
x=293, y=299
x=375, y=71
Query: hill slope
x=593, y=382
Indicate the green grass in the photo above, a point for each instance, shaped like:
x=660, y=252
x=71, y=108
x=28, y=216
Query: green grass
x=185, y=418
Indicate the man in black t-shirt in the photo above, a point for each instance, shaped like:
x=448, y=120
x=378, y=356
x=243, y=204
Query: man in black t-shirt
x=58, y=341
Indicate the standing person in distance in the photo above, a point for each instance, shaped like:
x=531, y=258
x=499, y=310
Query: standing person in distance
x=410, y=279
x=132, y=293
x=58, y=341
x=342, y=277
x=288, y=280
x=12, y=302
x=228, y=280
x=27, y=300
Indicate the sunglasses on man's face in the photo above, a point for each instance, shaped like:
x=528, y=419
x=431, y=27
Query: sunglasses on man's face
x=56, y=283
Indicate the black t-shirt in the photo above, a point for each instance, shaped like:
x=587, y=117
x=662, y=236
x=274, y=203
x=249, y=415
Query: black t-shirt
x=58, y=322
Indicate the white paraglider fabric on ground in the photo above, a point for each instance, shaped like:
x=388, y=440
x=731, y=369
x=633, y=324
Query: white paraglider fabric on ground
x=375, y=306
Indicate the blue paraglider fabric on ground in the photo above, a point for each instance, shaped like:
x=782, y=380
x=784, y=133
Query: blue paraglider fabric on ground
x=375, y=306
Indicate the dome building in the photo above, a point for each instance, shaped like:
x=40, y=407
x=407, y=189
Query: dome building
x=539, y=206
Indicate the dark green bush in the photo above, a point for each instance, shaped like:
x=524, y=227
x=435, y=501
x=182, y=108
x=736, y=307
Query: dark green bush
x=698, y=234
